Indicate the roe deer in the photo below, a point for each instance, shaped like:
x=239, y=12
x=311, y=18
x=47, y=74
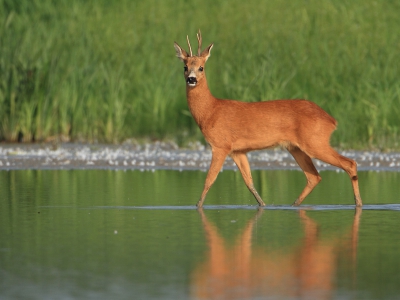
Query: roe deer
x=234, y=128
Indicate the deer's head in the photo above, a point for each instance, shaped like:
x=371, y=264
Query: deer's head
x=194, y=64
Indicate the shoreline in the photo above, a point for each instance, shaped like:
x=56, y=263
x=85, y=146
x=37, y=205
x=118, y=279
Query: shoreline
x=164, y=156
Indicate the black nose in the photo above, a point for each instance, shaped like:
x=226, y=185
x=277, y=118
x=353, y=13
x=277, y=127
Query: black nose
x=191, y=80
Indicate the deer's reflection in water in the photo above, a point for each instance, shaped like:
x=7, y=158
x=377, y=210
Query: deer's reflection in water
x=243, y=271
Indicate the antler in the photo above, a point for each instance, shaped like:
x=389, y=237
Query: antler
x=190, y=48
x=199, y=40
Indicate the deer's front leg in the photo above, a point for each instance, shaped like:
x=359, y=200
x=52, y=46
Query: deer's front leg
x=217, y=160
x=243, y=164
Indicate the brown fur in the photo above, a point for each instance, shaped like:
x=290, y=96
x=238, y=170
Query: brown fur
x=234, y=128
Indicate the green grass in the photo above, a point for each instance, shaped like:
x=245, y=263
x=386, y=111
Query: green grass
x=106, y=70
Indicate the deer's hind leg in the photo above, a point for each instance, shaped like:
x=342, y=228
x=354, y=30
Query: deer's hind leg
x=242, y=162
x=330, y=156
x=312, y=175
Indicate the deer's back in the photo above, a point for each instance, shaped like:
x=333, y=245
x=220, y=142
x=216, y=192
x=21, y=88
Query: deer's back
x=259, y=125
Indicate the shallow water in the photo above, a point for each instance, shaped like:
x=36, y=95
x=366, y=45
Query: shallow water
x=101, y=234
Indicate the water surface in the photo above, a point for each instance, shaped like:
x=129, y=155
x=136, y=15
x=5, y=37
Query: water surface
x=98, y=234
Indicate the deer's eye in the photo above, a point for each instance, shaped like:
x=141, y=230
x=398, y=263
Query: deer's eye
x=185, y=68
x=201, y=69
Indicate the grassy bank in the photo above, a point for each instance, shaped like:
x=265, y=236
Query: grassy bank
x=106, y=70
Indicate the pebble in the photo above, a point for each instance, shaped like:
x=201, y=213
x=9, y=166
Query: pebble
x=160, y=155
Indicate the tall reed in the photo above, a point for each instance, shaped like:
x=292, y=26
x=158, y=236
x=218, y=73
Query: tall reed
x=106, y=70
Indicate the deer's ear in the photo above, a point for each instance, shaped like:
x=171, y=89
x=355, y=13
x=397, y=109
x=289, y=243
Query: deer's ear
x=207, y=52
x=180, y=53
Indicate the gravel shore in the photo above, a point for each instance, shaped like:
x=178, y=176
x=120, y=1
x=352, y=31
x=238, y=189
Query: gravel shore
x=160, y=155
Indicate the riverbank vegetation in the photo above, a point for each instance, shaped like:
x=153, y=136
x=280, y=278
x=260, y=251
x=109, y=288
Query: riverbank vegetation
x=106, y=71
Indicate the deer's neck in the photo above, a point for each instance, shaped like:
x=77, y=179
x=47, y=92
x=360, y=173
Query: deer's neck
x=200, y=101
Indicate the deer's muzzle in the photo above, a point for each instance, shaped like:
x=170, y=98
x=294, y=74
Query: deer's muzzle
x=191, y=81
